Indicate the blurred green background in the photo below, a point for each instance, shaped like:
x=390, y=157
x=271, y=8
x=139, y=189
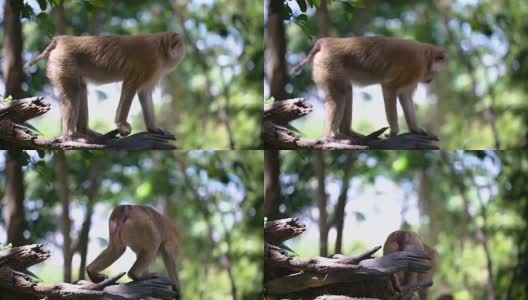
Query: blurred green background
x=214, y=197
x=209, y=102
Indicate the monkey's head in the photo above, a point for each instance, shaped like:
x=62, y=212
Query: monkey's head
x=174, y=48
x=438, y=62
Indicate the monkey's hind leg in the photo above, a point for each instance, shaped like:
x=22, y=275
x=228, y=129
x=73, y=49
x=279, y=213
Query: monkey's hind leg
x=83, y=120
x=345, y=129
x=104, y=260
x=69, y=90
x=140, y=269
x=336, y=91
x=168, y=255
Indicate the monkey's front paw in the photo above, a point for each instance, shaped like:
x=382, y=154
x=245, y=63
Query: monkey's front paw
x=124, y=128
x=425, y=133
x=419, y=130
x=394, y=133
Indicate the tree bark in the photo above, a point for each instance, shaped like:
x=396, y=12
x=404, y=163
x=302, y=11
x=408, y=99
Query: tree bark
x=272, y=192
x=342, y=200
x=63, y=193
x=14, y=198
x=276, y=47
x=13, y=76
x=324, y=19
x=60, y=19
x=321, y=202
x=13, y=73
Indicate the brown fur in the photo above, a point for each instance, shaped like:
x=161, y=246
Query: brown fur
x=139, y=61
x=147, y=233
x=402, y=240
x=397, y=64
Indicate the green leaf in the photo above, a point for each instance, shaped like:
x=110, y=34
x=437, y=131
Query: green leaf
x=317, y=3
x=302, y=5
x=97, y=3
x=42, y=4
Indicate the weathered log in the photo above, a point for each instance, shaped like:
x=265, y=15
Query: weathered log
x=14, y=133
x=13, y=282
x=277, y=136
x=339, y=275
x=19, y=111
x=283, y=112
x=23, y=257
x=278, y=231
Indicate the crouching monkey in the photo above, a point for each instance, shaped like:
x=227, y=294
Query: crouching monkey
x=402, y=240
x=148, y=233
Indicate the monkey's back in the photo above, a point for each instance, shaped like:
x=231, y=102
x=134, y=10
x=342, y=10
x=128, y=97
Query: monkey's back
x=370, y=60
x=143, y=227
x=103, y=59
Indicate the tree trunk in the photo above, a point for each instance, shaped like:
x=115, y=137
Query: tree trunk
x=13, y=73
x=84, y=238
x=341, y=201
x=272, y=193
x=60, y=20
x=321, y=203
x=61, y=170
x=13, y=76
x=276, y=47
x=324, y=19
x=14, y=198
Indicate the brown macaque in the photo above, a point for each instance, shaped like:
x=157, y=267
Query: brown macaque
x=147, y=233
x=402, y=240
x=397, y=64
x=139, y=61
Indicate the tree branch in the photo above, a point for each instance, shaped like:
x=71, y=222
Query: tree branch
x=16, y=112
x=352, y=276
x=18, y=283
x=277, y=136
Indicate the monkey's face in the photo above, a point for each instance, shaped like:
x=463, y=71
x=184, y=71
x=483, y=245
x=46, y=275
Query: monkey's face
x=176, y=49
x=439, y=60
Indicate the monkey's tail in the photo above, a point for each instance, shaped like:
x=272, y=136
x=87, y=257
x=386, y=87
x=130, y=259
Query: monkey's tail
x=118, y=218
x=316, y=48
x=44, y=53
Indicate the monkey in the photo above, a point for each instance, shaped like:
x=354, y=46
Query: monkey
x=148, y=234
x=139, y=61
x=402, y=240
x=397, y=64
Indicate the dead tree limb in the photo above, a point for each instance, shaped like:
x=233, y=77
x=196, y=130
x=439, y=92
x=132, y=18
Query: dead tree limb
x=13, y=132
x=277, y=135
x=14, y=282
x=339, y=275
x=276, y=232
